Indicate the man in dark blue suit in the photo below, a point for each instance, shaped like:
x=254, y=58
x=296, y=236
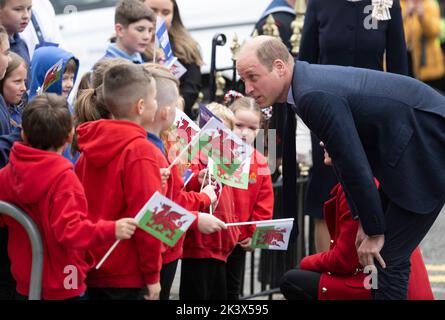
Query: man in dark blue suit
x=372, y=124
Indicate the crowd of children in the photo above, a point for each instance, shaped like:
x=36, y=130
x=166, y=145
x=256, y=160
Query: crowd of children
x=82, y=168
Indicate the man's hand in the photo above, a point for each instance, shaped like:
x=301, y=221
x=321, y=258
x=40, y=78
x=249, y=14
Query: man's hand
x=153, y=291
x=369, y=248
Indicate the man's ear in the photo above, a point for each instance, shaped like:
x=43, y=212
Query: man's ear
x=280, y=66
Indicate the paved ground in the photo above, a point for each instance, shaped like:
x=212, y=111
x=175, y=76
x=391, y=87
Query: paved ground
x=433, y=250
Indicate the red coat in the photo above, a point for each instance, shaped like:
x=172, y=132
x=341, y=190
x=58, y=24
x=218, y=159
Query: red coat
x=44, y=185
x=120, y=174
x=256, y=203
x=217, y=245
x=340, y=279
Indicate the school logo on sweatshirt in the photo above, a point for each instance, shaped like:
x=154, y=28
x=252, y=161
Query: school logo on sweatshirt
x=164, y=219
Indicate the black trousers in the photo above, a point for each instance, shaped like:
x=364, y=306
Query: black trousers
x=404, y=232
x=203, y=279
x=234, y=272
x=300, y=285
x=116, y=293
x=167, y=276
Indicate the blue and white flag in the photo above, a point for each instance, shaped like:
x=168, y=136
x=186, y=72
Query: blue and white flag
x=171, y=62
x=163, y=40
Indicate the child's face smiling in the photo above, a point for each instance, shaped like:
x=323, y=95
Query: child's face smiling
x=14, y=85
x=67, y=83
x=15, y=15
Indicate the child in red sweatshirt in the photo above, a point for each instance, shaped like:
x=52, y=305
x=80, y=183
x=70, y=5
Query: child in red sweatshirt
x=257, y=201
x=39, y=180
x=203, y=268
x=167, y=98
x=120, y=173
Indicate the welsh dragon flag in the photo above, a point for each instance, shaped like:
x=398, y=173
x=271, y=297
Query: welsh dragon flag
x=164, y=219
x=273, y=235
x=238, y=179
x=182, y=132
x=222, y=145
x=52, y=76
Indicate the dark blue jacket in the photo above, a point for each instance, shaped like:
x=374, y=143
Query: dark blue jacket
x=340, y=32
x=18, y=45
x=376, y=124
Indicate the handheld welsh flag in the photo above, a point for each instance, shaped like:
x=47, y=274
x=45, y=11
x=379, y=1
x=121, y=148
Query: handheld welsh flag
x=273, y=235
x=52, y=76
x=222, y=145
x=171, y=62
x=164, y=219
x=239, y=178
x=181, y=134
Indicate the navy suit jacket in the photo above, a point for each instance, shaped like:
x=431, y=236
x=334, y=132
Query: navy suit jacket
x=376, y=124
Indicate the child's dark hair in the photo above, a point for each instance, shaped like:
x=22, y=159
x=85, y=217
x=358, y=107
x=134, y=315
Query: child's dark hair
x=123, y=86
x=46, y=121
x=89, y=104
x=131, y=11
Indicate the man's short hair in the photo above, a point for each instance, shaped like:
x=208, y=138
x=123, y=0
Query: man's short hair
x=46, y=121
x=271, y=50
x=131, y=11
x=123, y=86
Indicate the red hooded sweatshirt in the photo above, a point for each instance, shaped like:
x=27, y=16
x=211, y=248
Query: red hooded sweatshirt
x=218, y=245
x=189, y=200
x=120, y=173
x=45, y=186
x=255, y=203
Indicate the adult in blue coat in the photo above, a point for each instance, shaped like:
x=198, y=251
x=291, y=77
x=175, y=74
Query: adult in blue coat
x=372, y=124
x=343, y=32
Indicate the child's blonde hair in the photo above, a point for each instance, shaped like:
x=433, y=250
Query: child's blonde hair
x=247, y=103
x=222, y=112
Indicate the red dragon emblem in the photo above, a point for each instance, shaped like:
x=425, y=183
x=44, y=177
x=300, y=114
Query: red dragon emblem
x=271, y=237
x=166, y=220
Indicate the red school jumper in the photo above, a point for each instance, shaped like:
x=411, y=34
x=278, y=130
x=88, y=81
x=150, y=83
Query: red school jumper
x=120, y=173
x=44, y=185
x=257, y=202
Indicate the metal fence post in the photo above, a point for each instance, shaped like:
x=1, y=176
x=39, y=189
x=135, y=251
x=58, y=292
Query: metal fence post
x=35, y=285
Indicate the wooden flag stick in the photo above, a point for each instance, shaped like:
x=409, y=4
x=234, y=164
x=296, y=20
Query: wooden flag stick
x=210, y=183
x=182, y=152
x=259, y=222
x=107, y=254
